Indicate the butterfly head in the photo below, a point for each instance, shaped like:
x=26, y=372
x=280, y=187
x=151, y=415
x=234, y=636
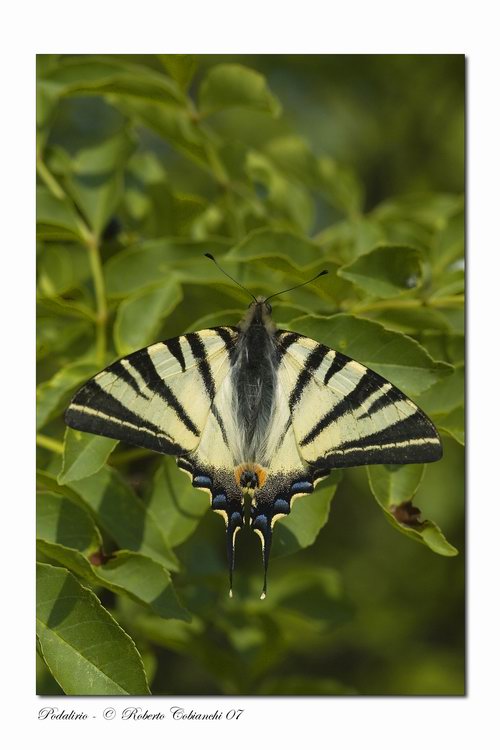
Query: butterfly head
x=258, y=314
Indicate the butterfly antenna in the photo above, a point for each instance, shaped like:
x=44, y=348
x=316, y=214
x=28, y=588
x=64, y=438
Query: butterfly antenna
x=209, y=255
x=321, y=273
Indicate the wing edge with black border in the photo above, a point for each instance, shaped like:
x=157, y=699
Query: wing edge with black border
x=363, y=418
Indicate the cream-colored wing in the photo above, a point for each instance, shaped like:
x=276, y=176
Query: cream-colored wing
x=344, y=414
x=159, y=397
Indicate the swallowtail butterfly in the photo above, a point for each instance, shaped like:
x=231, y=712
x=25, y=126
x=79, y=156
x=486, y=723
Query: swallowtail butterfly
x=252, y=409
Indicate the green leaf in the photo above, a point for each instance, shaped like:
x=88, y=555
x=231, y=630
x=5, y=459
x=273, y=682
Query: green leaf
x=452, y=282
x=337, y=183
x=431, y=210
x=447, y=395
x=393, y=355
x=386, y=271
x=340, y=186
x=85, y=649
x=269, y=243
x=453, y=424
x=61, y=268
x=176, y=504
x=104, y=75
x=173, y=123
x=56, y=219
x=84, y=454
x=230, y=85
x=145, y=580
x=393, y=488
x=283, y=195
x=96, y=181
x=45, y=480
x=410, y=319
x=58, y=335
x=47, y=97
x=140, y=315
x=294, y=157
x=222, y=318
x=347, y=240
x=446, y=346
x=392, y=485
x=52, y=394
x=123, y=516
x=180, y=67
x=449, y=243
x=144, y=264
x=67, y=308
x=62, y=521
x=126, y=573
x=309, y=515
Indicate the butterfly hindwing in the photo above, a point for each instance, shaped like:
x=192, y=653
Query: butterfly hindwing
x=344, y=414
x=159, y=397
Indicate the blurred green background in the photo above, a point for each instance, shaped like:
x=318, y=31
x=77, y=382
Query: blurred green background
x=279, y=166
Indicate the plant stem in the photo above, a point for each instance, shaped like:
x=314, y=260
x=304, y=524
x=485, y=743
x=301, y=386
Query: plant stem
x=92, y=244
x=50, y=444
x=49, y=180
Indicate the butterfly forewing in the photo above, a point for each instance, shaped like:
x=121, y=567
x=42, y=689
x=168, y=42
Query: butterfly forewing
x=344, y=414
x=159, y=397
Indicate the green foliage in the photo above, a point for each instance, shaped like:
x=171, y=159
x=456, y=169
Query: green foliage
x=394, y=488
x=84, y=647
x=84, y=454
x=144, y=164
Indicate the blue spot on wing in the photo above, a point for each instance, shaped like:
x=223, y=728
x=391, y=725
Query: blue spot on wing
x=281, y=506
x=202, y=481
x=301, y=487
x=219, y=502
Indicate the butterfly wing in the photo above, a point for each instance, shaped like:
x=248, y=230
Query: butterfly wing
x=332, y=412
x=159, y=397
x=344, y=414
x=170, y=397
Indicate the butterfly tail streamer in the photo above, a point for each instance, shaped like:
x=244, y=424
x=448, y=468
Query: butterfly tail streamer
x=234, y=524
x=262, y=525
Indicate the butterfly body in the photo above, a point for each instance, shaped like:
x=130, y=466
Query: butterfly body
x=254, y=410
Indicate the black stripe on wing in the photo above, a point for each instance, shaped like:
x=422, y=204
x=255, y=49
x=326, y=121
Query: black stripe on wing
x=417, y=451
x=366, y=387
x=229, y=334
x=200, y=354
x=312, y=363
x=339, y=361
x=413, y=428
x=143, y=363
x=175, y=349
x=284, y=340
x=96, y=411
x=119, y=369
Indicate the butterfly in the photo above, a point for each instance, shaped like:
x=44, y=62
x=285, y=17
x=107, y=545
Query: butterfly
x=254, y=410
